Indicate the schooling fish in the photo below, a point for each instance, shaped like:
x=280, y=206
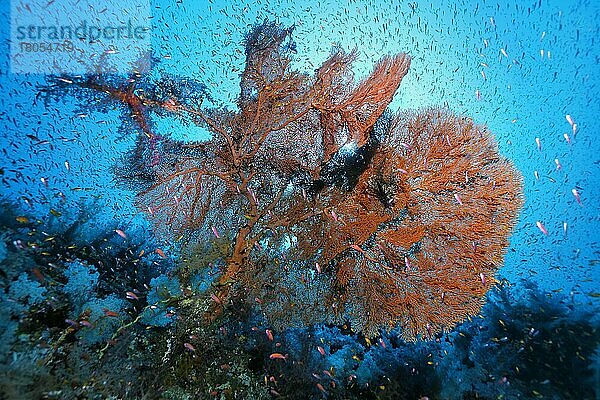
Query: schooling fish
x=278, y=356
x=542, y=228
x=189, y=346
x=577, y=197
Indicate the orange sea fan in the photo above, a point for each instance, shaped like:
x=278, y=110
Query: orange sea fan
x=384, y=220
x=433, y=259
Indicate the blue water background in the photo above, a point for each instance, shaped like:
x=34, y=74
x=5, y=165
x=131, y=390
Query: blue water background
x=524, y=96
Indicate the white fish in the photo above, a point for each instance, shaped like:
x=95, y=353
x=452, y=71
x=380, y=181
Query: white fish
x=541, y=227
x=569, y=119
x=577, y=197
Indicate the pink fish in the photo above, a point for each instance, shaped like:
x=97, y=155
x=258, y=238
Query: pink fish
x=577, y=197
x=321, y=350
x=215, y=232
x=189, y=346
x=121, y=233
x=558, y=164
x=318, y=267
x=131, y=296
x=482, y=277
x=539, y=143
x=458, y=199
x=542, y=228
x=335, y=217
x=215, y=298
x=567, y=138
x=565, y=228
x=73, y=324
x=537, y=176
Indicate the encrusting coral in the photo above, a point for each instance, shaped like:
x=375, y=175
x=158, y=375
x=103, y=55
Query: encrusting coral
x=336, y=210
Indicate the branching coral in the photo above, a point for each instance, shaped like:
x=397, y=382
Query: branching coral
x=334, y=209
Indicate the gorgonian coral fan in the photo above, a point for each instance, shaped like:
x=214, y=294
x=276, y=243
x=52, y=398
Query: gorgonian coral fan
x=334, y=209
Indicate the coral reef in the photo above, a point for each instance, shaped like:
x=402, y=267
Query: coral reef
x=332, y=208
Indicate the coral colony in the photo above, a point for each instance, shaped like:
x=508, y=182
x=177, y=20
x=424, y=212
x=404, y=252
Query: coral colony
x=312, y=201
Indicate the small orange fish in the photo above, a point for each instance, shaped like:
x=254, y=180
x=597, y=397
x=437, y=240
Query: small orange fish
x=357, y=248
x=110, y=313
x=321, y=388
x=269, y=334
x=278, y=356
x=38, y=275
x=160, y=253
